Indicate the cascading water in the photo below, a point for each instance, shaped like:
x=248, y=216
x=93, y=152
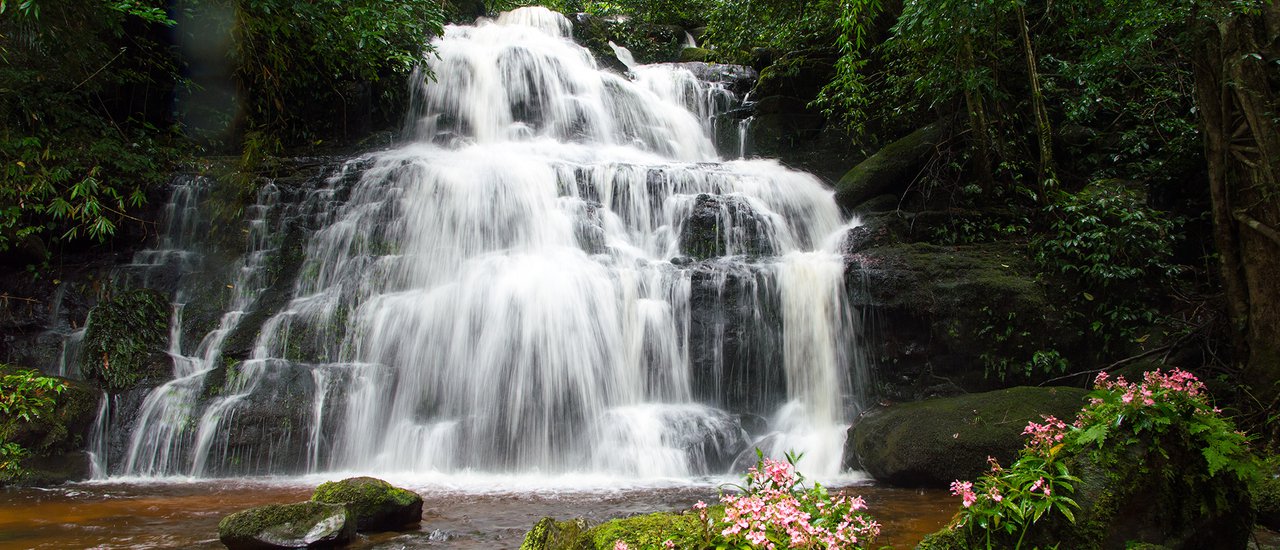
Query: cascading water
x=557, y=275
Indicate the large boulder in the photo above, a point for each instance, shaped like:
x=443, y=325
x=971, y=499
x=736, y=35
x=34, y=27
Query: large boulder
x=375, y=504
x=892, y=168
x=300, y=525
x=125, y=341
x=931, y=443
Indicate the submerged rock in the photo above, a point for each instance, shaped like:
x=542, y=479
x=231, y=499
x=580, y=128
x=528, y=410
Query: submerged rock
x=375, y=504
x=931, y=443
x=300, y=525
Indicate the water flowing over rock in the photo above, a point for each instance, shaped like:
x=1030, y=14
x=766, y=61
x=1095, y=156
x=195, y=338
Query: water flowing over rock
x=517, y=290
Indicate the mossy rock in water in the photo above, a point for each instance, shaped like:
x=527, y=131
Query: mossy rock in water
x=931, y=443
x=125, y=340
x=375, y=504
x=651, y=531
x=684, y=530
x=549, y=534
x=300, y=525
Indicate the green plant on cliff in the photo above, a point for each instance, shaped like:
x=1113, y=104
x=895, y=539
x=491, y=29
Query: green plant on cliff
x=25, y=395
x=124, y=340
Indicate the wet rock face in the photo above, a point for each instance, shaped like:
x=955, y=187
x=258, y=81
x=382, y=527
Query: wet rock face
x=735, y=347
x=300, y=525
x=721, y=225
x=266, y=430
x=947, y=318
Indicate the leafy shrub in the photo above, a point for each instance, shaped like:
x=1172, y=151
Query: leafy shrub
x=25, y=395
x=1163, y=409
x=1112, y=246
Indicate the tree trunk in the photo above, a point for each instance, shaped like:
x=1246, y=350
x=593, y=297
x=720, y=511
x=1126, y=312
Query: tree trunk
x=1044, y=131
x=977, y=117
x=1236, y=91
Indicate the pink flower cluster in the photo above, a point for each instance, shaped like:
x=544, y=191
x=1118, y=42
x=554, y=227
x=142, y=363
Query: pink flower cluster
x=1048, y=434
x=772, y=512
x=964, y=490
x=1153, y=382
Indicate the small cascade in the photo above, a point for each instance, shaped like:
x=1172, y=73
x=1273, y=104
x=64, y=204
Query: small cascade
x=98, y=437
x=557, y=273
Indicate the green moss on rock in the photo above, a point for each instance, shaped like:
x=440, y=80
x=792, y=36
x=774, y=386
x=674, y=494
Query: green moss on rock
x=125, y=340
x=549, y=534
x=300, y=525
x=650, y=531
x=375, y=504
x=931, y=443
x=643, y=532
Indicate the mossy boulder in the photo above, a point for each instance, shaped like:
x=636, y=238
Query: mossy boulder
x=931, y=443
x=652, y=530
x=300, y=525
x=125, y=341
x=685, y=530
x=375, y=504
x=892, y=168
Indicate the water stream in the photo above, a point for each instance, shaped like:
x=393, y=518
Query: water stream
x=556, y=274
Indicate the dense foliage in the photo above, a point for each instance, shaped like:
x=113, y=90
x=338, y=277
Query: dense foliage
x=101, y=98
x=25, y=395
x=84, y=86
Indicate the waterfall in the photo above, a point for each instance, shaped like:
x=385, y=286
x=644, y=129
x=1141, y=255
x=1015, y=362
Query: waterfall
x=557, y=273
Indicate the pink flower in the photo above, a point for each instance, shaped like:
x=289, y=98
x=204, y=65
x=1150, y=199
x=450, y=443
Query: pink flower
x=620, y=545
x=669, y=544
x=964, y=490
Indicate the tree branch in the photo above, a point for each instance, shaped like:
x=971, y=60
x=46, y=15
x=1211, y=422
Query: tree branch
x=1254, y=224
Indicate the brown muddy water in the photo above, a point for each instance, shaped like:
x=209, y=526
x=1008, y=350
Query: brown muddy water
x=186, y=514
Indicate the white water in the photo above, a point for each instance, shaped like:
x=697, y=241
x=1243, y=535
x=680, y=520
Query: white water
x=512, y=293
